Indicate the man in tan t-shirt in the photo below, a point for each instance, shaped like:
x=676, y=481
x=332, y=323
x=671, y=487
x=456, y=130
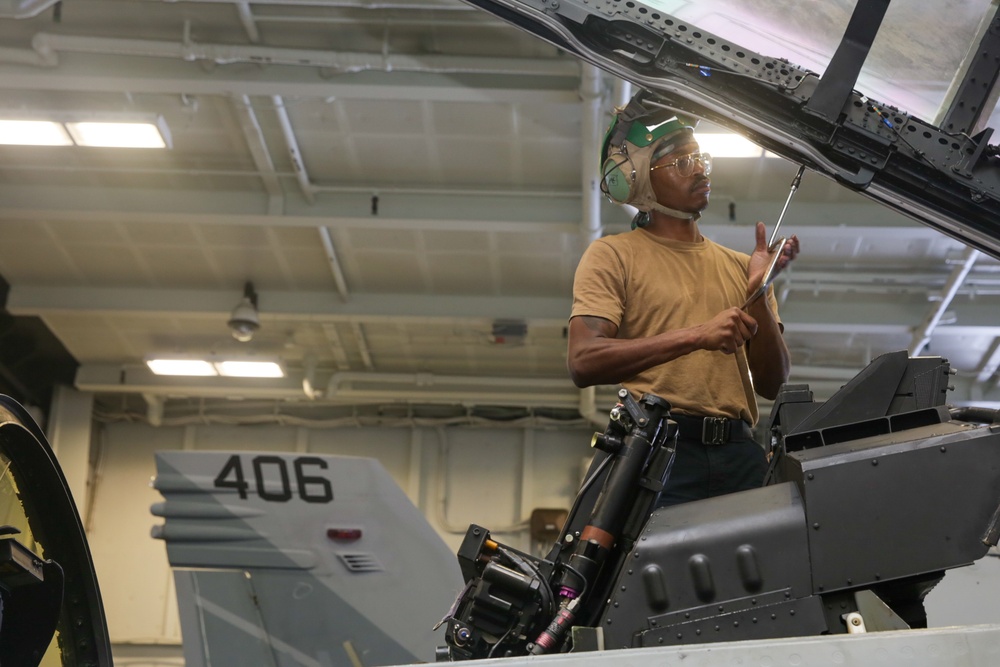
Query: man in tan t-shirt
x=658, y=310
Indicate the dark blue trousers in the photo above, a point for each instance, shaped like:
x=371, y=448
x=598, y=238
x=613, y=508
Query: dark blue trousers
x=704, y=471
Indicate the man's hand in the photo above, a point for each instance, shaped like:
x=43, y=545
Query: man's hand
x=761, y=258
x=727, y=331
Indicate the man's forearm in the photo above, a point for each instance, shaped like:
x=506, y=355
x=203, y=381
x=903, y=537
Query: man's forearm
x=603, y=360
x=767, y=353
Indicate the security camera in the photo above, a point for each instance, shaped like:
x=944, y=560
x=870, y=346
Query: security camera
x=244, y=321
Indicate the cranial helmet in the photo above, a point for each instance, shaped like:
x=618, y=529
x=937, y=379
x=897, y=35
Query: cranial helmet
x=639, y=135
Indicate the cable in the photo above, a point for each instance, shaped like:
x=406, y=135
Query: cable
x=575, y=571
x=707, y=70
x=888, y=123
x=579, y=496
x=543, y=587
x=285, y=419
x=502, y=639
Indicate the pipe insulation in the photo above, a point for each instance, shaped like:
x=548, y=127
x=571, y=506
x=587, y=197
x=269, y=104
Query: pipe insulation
x=48, y=45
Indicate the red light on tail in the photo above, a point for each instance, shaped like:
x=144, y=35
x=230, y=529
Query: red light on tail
x=344, y=534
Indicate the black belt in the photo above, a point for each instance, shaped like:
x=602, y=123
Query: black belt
x=711, y=430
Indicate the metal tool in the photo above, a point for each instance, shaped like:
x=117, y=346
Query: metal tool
x=773, y=247
x=795, y=186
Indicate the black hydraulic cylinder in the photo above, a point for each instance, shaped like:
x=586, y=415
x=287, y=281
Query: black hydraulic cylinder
x=620, y=488
x=651, y=484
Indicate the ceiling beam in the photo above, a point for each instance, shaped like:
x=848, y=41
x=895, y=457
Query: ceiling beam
x=424, y=207
x=315, y=306
x=806, y=316
x=52, y=46
x=362, y=388
x=552, y=211
x=136, y=75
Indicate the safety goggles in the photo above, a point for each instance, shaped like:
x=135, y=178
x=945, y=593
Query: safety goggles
x=685, y=164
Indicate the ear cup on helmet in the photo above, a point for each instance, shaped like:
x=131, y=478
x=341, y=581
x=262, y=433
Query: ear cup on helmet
x=618, y=176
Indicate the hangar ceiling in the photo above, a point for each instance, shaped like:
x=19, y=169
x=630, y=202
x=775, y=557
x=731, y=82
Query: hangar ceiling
x=404, y=184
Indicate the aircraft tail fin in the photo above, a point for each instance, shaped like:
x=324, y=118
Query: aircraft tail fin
x=284, y=559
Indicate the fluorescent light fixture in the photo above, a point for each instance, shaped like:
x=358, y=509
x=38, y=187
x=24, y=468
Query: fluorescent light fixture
x=105, y=130
x=116, y=135
x=236, y=368
x=249, y=369
x=189, y=367
x=33, y=133
x=720, y=144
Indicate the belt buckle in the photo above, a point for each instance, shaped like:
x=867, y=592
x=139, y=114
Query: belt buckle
x=715, y=430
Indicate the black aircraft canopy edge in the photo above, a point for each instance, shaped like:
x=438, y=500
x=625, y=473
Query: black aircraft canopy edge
x=47, y=506
x=948, y=180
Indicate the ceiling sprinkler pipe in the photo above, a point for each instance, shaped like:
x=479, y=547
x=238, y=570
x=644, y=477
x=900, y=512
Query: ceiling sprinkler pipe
x=588, y=407
x=591, y=101
x=337, y=380
x=35, y=58
x=339, y=4
x=309, y=379
x=24, y=9
x=923, y=334
x=223, y=54
x=465, y=398
x=292, y=144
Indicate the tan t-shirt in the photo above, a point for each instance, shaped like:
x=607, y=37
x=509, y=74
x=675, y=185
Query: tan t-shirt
x=647, y=285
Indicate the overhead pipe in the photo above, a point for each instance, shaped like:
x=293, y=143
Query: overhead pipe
x=448, y=192
x=333, y=262
x=35, y=58
x=590, y=194
x=24, y=9
x=395, y=21
x=339, y=4
x=48, y=45
x=400, y=388
x=521, y=399
x=154, y=408
x=247, y=19
x=590, y=96
x=590, y=191
x=405, y=388
x=362, y=342
x=922, y=335
x=159, y=171
x=339, y=378
x=622, y=92
x=588, y=407
x=258, y=149
x=292, y=145
x=309, y=378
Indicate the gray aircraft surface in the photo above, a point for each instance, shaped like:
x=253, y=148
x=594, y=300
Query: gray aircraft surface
x=282, y=559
